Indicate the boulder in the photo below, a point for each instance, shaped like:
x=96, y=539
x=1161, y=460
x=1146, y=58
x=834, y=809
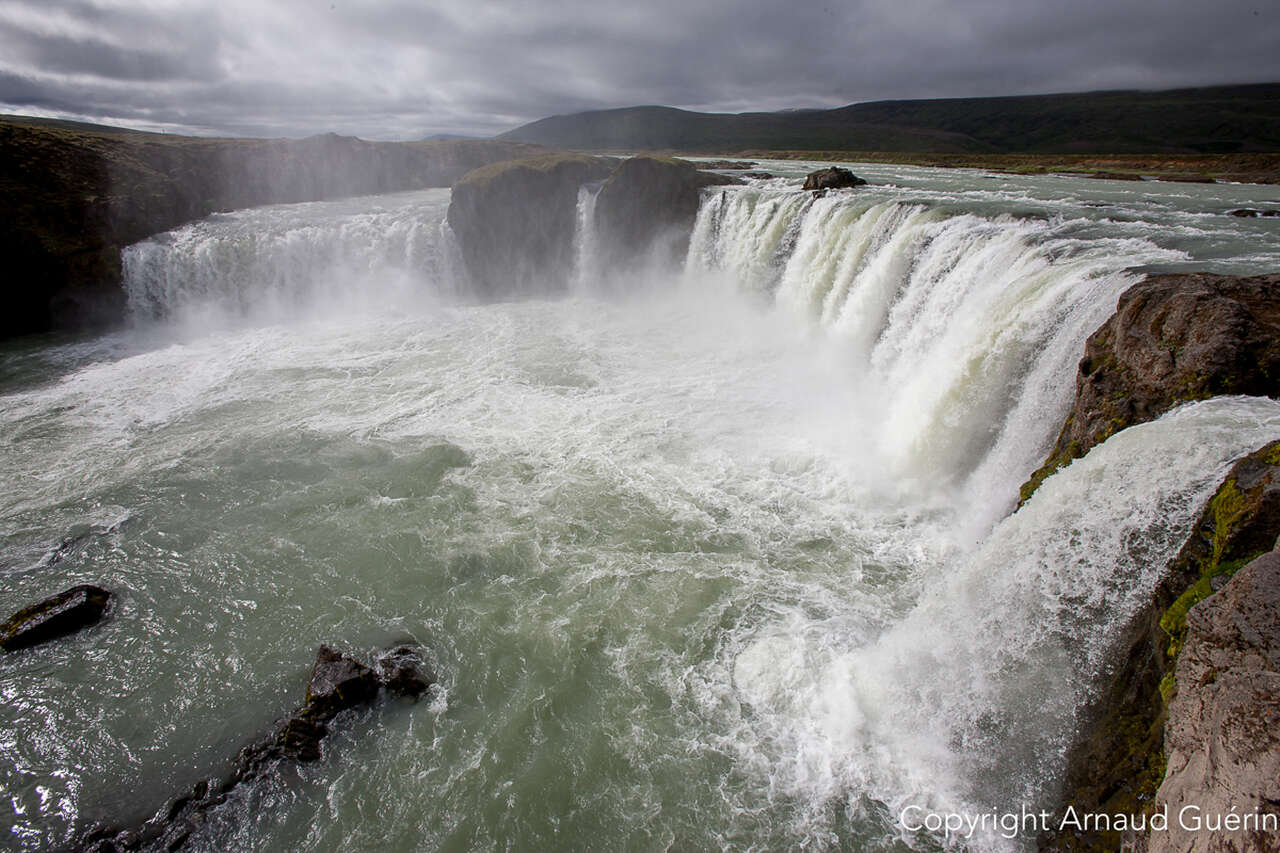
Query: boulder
x=1243, y=212
x=832, y=178
x=1173, y=338
x=65, y=613
x=648, y=204
x=515, y=221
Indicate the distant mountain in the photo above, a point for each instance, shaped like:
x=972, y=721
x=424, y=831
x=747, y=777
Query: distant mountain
x=1217, y=120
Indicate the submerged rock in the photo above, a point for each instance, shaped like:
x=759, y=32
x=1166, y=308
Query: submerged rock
x=515, y=221
x=1173, y=338
x=65, y=613
x=338, y=683
x=650, y=204
x=832, y=178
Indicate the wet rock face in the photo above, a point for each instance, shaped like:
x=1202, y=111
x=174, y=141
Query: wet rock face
x=1223, y=735
x=832, y=178
x=650, y=204
x=515, y=221
x=338, y=683
x=65, y=613
x=1172, y=339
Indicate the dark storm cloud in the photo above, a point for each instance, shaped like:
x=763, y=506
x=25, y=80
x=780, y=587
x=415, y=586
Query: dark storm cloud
x=402, y=70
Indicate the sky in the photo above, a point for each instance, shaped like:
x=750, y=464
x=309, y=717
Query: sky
x=408, y=70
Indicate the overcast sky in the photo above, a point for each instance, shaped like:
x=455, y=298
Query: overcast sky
x=405, y=70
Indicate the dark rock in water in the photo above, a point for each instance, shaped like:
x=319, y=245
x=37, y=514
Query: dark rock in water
x=1173, y=338
x=1271, y=213
x=65, y=613
x=649, y=204
x=515, y=221
x=1243, y=212
x=338, y=683
x=726, y=165
x=832, y=178
x=1187, y=179
x=404, y=672
x=757, y=174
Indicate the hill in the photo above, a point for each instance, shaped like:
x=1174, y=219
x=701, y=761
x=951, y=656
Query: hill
x=1217, y=120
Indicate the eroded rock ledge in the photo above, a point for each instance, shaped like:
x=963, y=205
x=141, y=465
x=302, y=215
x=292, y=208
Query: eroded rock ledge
x=1173, y=339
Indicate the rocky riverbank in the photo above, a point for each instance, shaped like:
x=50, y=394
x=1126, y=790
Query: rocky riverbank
x=72, y=195
x=1191, y=708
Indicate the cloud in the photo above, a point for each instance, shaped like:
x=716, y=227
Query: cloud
x=402, y=69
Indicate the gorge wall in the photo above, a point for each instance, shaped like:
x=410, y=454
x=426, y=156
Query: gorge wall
x=71, y=196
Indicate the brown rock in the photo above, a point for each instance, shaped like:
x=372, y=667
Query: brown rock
x=1173, y=339
x=515, y=221
x=1223, y=734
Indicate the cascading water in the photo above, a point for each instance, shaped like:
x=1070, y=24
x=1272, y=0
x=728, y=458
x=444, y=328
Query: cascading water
x=963, y=331
x=281, y=262
x=719, y=565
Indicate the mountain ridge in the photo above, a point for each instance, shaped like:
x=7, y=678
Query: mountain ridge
x=1205, y=120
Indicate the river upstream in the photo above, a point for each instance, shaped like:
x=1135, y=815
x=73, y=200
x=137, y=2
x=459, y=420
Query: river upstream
x=718, y=558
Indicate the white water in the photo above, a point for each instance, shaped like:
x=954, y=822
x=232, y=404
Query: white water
x=286, y=262
x=709, y=567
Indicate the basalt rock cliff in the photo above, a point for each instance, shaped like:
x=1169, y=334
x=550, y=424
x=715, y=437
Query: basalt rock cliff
x=515, y=222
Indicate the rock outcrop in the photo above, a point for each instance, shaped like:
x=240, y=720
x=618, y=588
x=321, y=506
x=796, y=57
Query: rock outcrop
x=832, y=178
x=1119, y=761
x=1173, y=339
x=515, y=220
x=648, y=206
x=338, y=683
x=65, y=613
x=1223, y=736
x=72, y=195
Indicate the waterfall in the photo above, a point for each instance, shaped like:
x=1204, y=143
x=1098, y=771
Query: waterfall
x=970, y=703
x=284, y=260
x=587, y=263
x=963, y=330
